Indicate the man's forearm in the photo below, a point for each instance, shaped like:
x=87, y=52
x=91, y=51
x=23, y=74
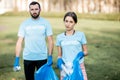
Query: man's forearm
x=18, y=46
x=18, y=50
x=50, y=45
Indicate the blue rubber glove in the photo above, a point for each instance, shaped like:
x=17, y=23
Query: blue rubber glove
x=16, y=66
x=49, y=61
x=59, y=63
x=78, y=57
x=16, y=62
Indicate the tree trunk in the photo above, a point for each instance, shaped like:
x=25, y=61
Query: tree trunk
x=15, y=6
x=77, y=5
x=65, y=3
x=82, y=6
x=49, y=5
x=99, y=3
x=70, y=4
x=62, y=4
x=88, y=6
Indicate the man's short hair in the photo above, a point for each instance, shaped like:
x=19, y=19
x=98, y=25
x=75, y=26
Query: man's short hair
x=34, y=3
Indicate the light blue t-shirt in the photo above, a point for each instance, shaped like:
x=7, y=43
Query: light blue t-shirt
x=71, y=45
x=34, y=33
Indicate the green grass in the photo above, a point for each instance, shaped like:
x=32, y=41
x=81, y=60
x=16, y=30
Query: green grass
x=103, y=38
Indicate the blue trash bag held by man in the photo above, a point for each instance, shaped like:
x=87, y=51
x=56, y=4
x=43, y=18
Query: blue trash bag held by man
x=46, y=72
x=77, y=72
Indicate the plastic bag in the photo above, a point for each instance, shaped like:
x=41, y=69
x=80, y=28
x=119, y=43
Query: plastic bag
x=76, y=75
x=77, y=72
x=45, y=73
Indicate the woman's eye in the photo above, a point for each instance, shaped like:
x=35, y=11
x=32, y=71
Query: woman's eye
x=66, y=20
x=71, y=21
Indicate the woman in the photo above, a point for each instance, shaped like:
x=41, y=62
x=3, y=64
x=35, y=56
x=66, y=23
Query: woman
x=69, y=44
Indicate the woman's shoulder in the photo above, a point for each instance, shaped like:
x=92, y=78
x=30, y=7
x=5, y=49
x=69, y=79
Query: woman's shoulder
x=79, y=32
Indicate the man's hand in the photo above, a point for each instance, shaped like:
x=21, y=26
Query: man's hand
x=16, y=66
x=49, y=61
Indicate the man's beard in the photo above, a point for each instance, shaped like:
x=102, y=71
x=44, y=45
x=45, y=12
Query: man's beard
x=35, y=15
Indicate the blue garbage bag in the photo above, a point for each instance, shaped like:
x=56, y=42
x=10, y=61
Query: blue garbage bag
x=45, y=73
x=77, y=72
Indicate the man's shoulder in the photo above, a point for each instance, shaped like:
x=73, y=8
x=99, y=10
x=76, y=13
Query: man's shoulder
x=43, y=19
x=26, y=21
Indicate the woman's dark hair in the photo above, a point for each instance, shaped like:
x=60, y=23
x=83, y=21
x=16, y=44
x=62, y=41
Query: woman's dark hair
x=71, y=14
x=34, y=3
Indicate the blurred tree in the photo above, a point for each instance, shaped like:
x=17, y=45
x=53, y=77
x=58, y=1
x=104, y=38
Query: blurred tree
x=70, y=4
x=76, y=3
x=49, y=5
x=61, y=4
x=118, y=5
x=88, y=6
x=82, y=6
x=21, y=3
x=65, y=5
x=27, y=4
x=99, y=6
x=15, y=6
x=42, y=1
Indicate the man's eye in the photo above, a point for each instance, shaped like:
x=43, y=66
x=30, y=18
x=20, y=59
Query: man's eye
x=36, y=9
x=31, y=9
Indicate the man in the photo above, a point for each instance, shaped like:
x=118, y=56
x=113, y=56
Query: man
x=34, y=32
